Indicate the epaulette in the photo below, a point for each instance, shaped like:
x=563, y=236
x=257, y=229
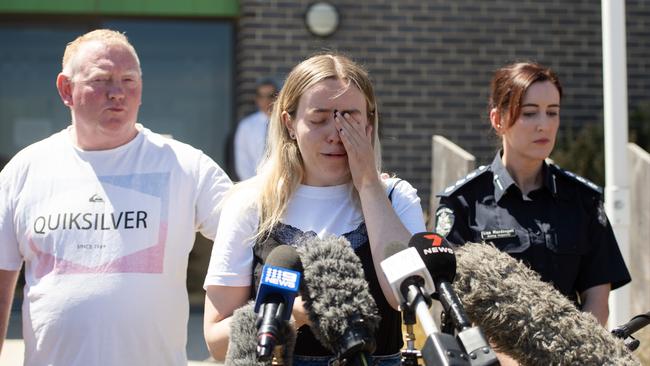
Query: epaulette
x=462, y=181
x=583, y=181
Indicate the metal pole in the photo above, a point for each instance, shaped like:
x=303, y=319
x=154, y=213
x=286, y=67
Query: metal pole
x=616, y=137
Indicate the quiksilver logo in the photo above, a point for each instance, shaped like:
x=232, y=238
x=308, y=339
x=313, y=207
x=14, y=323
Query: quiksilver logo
x=91, y=221
x=95, y=198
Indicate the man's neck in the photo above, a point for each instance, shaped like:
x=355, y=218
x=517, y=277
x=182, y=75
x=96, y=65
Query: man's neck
x=97, y=141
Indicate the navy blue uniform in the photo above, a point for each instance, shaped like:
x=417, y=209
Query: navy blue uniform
x=560, y=230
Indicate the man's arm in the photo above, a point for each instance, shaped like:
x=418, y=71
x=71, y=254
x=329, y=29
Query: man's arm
x=7, y=287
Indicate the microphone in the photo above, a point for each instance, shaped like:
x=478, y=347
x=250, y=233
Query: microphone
x=440, y=261
x=411, y=283
x=626, y=330
x=337, y=298
x=242, y=346
x=527, y=318
x=277, y=290
x=631, y=327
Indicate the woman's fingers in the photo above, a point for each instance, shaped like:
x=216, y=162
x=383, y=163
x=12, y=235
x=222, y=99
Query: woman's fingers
x=351, y=130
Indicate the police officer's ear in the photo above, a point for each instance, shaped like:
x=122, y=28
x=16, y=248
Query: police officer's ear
x=495, y=120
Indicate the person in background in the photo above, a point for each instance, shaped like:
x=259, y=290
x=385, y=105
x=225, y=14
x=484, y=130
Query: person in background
x=322, y=176
x=103, y=214
x=251, y=132
x=550, y=218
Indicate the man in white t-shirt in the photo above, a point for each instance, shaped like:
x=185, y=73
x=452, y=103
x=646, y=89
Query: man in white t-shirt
x=250, y=138
x=104, y=215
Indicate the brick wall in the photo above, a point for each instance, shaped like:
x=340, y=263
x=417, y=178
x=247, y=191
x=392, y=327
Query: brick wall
x=431, y=62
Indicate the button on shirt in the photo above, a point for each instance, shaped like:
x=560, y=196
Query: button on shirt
x=560, y=230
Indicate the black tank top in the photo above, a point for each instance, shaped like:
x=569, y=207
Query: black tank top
x=389, y=334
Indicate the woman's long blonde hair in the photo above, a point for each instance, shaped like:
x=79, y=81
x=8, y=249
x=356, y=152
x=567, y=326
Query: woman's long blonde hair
x=282, y=169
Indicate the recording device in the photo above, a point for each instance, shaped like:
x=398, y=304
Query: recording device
x=412, y=285
x=242, y=346
x=440, y=260
x=279, y=284
x=626, y=330
x=526, y=318
x=336, y=296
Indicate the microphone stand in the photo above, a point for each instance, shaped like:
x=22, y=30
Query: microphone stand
x=410, y=355
x=471, y=337
x=626, y=330
x=278, y=355
x=439, y=348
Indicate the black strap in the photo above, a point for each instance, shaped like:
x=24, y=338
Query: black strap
x=390, y=194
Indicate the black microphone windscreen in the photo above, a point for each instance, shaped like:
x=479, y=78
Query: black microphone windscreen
x=284, y=256
x=242, y=346
x=335, y=290
x=527, y=318
x=437, y=255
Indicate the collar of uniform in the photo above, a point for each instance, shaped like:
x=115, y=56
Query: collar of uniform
x=503, y=180
x=500, y=176
x=549, y=179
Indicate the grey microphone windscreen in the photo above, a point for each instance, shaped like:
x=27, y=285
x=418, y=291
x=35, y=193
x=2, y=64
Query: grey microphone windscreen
x=527, y=318
x=242, y=346
x=335, y=291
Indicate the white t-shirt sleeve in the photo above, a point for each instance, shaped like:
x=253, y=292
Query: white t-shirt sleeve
x=231, y=261
x=10, y=257
x=212, y=188
x=406, y=203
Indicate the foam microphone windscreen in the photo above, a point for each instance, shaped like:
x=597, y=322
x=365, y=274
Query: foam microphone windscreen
x=284, y=256
x=242, y=346
x=526, y=318
x=335, y=292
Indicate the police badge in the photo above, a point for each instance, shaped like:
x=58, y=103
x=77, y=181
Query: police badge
x=444, y=220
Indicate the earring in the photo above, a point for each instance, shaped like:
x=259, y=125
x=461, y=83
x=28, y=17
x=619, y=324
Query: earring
x=293, y=137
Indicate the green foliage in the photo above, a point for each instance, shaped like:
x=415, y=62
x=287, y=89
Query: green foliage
x=640, y=126
x=584, y=152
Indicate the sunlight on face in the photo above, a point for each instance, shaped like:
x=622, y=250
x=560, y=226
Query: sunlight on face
x=106, y=94
x=532, y=136
x=323, y=153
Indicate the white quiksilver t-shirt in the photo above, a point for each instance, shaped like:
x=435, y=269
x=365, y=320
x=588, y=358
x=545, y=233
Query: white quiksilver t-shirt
x=105, y=238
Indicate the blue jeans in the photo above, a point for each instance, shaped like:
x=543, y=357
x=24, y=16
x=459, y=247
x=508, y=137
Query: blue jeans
x=387, y=360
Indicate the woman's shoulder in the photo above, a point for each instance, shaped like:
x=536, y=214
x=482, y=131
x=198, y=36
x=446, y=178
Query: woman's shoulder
x=396, y=186
x=478, y=178
x=568, y=182
x=242, y=197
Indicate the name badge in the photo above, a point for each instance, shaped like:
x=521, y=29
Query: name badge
x=498, y=234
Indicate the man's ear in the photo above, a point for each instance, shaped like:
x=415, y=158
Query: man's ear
x=64, y=86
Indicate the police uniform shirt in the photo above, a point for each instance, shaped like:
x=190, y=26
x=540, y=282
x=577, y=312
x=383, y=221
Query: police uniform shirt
x=560, y=230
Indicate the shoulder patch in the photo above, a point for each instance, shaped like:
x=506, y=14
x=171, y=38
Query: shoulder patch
x=444, y=220
x=583, y=181
x=462, y=181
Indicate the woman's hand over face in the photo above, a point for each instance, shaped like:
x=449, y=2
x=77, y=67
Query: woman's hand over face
x=357, y=140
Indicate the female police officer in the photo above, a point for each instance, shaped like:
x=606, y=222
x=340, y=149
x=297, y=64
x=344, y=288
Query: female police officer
x=551, y=219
